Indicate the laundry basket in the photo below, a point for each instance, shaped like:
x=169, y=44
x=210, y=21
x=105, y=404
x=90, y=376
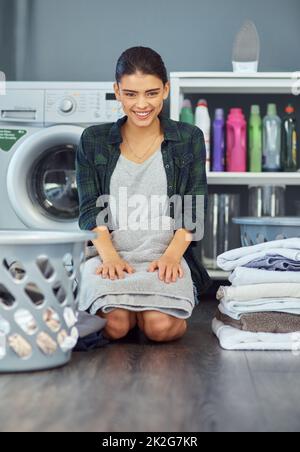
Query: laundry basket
x=266, y=229
x=39, y=290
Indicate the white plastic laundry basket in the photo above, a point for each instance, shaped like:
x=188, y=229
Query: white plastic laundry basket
x=39, y=291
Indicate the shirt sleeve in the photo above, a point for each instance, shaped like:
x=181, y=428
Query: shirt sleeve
x=88, y=191
x=195, y=205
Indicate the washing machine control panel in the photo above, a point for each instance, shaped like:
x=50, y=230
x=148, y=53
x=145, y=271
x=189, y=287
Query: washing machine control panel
x=67, y=106
x=82, y=106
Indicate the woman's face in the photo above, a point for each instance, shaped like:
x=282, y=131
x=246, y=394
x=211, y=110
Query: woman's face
x=140, y=93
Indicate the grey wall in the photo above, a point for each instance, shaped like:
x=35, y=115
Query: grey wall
x=7, y=38
x=82, y=39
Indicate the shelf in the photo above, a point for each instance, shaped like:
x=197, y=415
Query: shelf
x=253, y=179
x=229, y=82
x=232, y=82
x=235, y=75
x=188, y=83
x=183, y=83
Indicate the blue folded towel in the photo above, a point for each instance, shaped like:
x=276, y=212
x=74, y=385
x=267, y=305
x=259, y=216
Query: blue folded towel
x=275, y=263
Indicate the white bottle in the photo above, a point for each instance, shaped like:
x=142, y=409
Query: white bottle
x=202, y=120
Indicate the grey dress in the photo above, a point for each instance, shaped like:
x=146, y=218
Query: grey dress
x=140, y=291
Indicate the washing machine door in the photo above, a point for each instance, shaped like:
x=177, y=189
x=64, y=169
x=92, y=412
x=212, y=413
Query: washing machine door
x=41, y=179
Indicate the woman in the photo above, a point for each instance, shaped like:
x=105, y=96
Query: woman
x=145, y=276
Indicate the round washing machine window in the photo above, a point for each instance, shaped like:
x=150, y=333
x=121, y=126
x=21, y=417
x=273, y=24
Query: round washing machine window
x=41, y=179
x=52, y=183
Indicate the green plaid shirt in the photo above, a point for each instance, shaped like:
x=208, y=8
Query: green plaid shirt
x=184, y=158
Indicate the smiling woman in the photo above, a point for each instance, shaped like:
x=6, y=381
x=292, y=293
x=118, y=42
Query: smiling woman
x=143, y=274
x=141, y=86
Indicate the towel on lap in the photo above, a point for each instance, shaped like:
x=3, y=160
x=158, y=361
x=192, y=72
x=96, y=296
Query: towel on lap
x=139, y=248
x=168, y=305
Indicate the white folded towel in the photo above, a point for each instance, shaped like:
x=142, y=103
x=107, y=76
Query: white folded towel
x=233, y=339
x=259, y=291
x=243, y=276
x=289, y=248
x=236, y=309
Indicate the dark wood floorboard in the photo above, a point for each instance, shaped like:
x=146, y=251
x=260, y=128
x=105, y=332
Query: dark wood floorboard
x=136, y=385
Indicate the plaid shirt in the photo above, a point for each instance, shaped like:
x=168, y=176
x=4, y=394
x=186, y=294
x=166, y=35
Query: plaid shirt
x=184, y=158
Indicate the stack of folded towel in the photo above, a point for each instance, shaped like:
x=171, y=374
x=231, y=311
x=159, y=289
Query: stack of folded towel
x=261, y=310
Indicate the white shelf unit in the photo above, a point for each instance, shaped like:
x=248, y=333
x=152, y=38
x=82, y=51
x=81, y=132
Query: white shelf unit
x=186, y=83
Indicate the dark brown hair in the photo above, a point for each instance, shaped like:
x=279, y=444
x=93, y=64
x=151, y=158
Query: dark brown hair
x=141, y=59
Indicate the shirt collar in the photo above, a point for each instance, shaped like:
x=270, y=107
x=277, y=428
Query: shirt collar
x=170, y=129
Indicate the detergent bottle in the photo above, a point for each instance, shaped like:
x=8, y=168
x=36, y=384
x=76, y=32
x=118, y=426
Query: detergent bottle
x=202, y=120
x=272, y=140
x=187, y=114
x=290, y=157
x=219, y=141
x=255, y=140
x=236, y=141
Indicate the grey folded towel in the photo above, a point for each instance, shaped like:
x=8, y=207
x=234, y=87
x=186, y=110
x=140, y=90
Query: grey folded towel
x=141, y=290
x=263, y=322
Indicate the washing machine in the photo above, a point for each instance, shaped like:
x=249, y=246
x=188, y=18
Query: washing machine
x=40, y=128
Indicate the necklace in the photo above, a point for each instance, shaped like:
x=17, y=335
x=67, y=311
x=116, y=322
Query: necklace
x=137, y=156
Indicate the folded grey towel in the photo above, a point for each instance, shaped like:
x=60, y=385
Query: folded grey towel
x=139, y=248
x=263, y=322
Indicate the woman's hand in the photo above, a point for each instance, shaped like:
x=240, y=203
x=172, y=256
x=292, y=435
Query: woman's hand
x=169, y=269
x=114, y=268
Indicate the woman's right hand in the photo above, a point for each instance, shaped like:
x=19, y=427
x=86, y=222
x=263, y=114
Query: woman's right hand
x=114, y=268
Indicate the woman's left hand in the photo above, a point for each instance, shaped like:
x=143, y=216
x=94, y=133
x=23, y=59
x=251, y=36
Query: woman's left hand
x=169, y=269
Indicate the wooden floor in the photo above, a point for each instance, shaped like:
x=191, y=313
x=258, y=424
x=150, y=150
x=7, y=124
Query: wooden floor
x=136, y=385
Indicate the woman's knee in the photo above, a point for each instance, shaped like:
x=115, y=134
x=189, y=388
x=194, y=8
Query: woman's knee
x=161, y=327
x=119, y=323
